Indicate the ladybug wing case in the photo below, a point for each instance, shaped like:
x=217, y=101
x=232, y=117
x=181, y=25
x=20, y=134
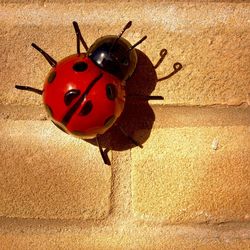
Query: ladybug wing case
x=81, y=98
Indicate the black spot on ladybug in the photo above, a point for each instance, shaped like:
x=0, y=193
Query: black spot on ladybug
x=60, y=127
x=111, y=91
x=109, y=121
x=70, y=96
x=77, y=104
x=80, y=66
x=49, y=110
x=86, y=109
x=51, y=77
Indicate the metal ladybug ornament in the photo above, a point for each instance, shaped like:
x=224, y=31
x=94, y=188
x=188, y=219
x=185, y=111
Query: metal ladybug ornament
x=84, y=94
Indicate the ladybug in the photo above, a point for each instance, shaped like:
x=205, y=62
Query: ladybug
x=84, y=93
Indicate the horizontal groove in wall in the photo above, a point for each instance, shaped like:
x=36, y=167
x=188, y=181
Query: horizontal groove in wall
x=165, y=116
x=53, y=225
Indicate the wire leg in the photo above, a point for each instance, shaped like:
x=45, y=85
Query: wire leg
x=49, y=59
x=27, y=88
x=103, y=154
x=145, y=97
x=129, y=137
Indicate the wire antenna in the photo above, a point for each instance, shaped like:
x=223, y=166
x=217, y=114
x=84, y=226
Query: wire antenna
x=136, y=44
x=127, y=26
x=27, y=88
x=50, y=60
x=79, y=38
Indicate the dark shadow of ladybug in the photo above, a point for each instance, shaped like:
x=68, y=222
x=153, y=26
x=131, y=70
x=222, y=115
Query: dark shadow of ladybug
x=137, y=113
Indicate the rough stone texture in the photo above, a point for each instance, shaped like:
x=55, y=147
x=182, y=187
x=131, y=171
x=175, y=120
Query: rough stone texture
x=214, y=51
x=80, y=203
x=45, y=173
x=192, y=182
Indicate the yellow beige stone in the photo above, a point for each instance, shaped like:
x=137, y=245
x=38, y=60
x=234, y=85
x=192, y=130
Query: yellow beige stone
x=45, y=173
x=193, y=174
x=195, y=163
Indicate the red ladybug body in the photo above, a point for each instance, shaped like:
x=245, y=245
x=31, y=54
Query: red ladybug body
x=101, y=95
x=85, y=93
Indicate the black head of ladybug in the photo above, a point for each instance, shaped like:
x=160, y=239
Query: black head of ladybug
x=114, y=56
